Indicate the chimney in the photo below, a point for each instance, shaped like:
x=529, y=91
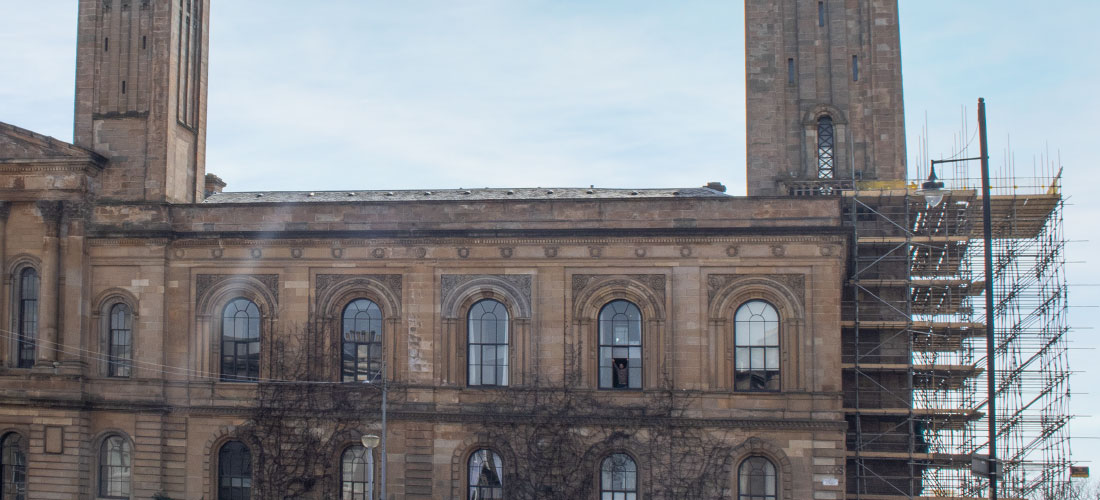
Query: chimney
x=717, y=186
x=214, y=185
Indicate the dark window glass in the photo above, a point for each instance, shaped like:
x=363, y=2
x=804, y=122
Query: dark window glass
x=27, y=336
x=13, y=468
x=620, y=346
x=790, y=71
x=826, y=143
x=240, y=341
x=855, y=68
x=618, y=478
x=362, y=351
x=756, y=480
x=114, y=468
x=120, y=341
x=487, y=344
x=821, y=13
x=756, y=347
x=234, y=472
x=356, y=474
x=486, y=472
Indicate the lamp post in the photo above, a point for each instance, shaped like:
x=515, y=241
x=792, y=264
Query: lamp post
x=370, y=440
x=933, y=191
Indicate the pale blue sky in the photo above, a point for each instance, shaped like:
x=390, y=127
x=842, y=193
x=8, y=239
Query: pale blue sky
x=368, y=94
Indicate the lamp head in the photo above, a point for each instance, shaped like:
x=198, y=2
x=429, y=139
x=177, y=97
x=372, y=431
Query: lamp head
x=370, y=441
x=932, y=189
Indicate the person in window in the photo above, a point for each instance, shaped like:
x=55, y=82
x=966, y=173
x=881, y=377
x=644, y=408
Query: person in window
x=621, y=373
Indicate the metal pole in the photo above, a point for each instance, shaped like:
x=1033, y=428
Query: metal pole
x=990, y=331
x=385, y=396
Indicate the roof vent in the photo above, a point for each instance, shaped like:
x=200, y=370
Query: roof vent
x=389, y=193
x=351, y=194
x=259, y=195
x=590, y=191
x=633, y=193
x=511, y=192
x=550, y=191
x=427, y=193
x=717, y=186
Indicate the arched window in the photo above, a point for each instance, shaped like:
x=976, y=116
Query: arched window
x=120, y=341
x=487, y=344
x=240, y=341
x=486, y=476
x=234, y=472
x=362, y=351
x=356, y=474
x=826, y=145
x=27, y=317
x=13, y=467
x=756, y=347
x=114, y=467
x=756, y=480
x=618, y=478
x=620, y=346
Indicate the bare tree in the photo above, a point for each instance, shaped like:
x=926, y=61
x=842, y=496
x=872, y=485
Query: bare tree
x=301, y=418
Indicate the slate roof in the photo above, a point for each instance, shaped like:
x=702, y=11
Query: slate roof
x=477, y=194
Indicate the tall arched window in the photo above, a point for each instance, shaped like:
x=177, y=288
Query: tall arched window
x=618, y=478
x=240, y=341
x=487, y=343
x=620, y=346
x=120, y=341
x=826, y=146
x=114, y=467
x=756, y=347
x=362, y=350
x=13, y=467
x=356, y=474
x=756, y=480
x=27, y=317
x=486, y=476
x=234, y=472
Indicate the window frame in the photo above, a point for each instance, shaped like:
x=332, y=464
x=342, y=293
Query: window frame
x=777, y=348
x=639, y=323
x=20, y=447
x=826, y=147
x=369, y=464
x=496, y=346
x=26, y=328
x=249, y=376
x=114, y=361
x=609, y=489
x=742, y=479
x=105, y=469
x=222, y=461
x=379, y=319
x=478, y=489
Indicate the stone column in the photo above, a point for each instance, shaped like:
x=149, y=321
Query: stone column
x=50, y=280
x=71, y=314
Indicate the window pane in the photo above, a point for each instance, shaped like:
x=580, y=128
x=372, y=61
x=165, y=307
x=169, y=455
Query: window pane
x=620, y=334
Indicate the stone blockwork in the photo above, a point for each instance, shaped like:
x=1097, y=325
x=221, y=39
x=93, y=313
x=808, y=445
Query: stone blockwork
x=177, y=281
x=121, y=220
x=809, y=59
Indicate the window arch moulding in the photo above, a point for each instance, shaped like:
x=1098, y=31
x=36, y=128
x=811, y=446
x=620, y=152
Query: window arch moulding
x=726, y=294
x=213, y=292
x=459, y=293
x=591, y=293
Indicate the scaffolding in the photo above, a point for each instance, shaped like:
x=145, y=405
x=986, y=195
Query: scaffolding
x=914, y=353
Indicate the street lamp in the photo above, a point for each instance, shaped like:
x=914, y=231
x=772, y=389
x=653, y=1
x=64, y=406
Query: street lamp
x=370, y=441
x=933, y=192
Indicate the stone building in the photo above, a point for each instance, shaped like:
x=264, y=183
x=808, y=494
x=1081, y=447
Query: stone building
x=146, y=311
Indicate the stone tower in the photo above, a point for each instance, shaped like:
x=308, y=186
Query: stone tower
x=824, y=93
x=141, y=96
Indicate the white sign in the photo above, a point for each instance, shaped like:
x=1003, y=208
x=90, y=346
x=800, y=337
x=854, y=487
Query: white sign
x=830, y=481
